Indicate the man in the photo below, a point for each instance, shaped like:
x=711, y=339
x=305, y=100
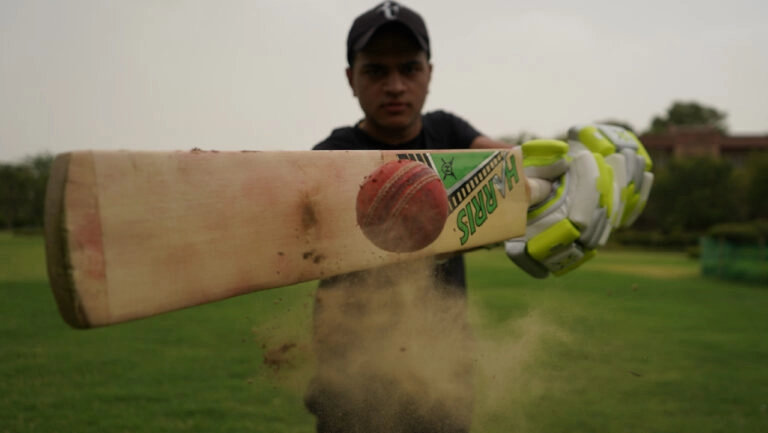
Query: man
x=392, y=344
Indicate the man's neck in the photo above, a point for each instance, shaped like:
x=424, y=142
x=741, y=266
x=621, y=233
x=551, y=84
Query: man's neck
x=391, y=136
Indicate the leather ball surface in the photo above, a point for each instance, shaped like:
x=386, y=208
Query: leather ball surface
x=402, y=206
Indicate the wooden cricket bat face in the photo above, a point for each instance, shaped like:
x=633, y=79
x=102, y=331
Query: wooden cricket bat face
x=134, y=234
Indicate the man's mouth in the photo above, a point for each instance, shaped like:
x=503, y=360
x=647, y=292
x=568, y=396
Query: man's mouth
x=395, y=107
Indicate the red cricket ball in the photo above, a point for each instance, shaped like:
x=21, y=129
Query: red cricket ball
x=402, y=206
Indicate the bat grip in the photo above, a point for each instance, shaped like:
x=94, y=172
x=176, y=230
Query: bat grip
x=540, y=189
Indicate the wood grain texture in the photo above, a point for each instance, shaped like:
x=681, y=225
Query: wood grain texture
x=134, y=234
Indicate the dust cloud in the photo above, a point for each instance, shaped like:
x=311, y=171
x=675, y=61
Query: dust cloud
x=392, y=343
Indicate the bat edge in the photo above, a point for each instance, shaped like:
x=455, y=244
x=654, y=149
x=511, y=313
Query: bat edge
x=58, y=259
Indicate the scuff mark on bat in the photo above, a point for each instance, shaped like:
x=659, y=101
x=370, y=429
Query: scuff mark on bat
x=312, y=255
x=308, y=216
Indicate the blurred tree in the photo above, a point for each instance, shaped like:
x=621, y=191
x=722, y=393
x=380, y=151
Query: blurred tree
x=689, y=114
x=22, y=191
x=15, y=194
x=40, y=167
x=757, y=185
x=690, y=195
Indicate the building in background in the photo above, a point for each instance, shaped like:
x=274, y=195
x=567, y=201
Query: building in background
x=702, y=141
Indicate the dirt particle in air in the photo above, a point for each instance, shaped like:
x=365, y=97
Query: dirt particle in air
x=278, y=357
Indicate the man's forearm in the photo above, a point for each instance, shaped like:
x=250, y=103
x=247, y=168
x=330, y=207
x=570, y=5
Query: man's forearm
x=483, y=142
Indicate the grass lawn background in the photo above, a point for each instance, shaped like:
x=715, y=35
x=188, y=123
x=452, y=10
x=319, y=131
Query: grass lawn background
x=632, y=342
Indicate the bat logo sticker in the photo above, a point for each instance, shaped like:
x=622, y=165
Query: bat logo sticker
x=447, y=168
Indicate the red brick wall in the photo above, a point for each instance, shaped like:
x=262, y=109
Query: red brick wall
x=681, y=142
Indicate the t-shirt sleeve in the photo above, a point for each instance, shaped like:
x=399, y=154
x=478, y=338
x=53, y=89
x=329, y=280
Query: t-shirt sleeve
x=464, y=132
x=340, y=139
x=448, y=131
x=324, y=145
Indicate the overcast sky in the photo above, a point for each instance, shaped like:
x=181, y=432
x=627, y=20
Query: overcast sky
x=269, y=74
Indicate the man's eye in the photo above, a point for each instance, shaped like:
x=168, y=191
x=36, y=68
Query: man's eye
x=374, y=72
x=410, y=68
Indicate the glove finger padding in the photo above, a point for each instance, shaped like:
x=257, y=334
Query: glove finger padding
x=563, y=230
x=602, y=179
x=630, y=161
x=635, y=204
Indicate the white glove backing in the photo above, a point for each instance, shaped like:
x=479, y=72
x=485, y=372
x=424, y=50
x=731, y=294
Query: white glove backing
x=601, y=181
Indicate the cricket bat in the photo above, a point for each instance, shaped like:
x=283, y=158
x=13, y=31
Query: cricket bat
x=134, y=234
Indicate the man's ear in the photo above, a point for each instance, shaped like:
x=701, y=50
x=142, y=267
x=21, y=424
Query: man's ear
x=351, y=80
x=429, y=79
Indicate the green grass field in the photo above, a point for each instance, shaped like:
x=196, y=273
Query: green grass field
x=632, y=342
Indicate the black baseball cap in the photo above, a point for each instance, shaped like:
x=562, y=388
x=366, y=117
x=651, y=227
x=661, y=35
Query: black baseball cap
x=387, y=12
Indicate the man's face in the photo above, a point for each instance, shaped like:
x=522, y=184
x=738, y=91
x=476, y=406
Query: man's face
x=390, y=78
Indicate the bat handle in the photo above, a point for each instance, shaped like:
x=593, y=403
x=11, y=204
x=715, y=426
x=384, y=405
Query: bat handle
x=540, y=189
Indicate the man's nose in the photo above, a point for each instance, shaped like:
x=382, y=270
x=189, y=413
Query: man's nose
x=395, y=83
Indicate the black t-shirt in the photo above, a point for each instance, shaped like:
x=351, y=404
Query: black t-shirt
x=440, y=130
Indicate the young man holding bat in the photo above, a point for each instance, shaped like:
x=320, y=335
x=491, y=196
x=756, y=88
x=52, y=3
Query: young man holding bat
x=364, y=381
x=134, y=234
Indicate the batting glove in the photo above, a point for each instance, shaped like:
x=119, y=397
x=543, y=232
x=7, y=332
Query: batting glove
x=594, y=191
x=630, y=162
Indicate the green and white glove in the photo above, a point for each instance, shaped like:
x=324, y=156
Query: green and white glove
x=601, y=180
x=631, y=165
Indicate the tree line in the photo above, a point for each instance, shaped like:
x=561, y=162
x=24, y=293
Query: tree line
x=692, y=195
x=22, y=191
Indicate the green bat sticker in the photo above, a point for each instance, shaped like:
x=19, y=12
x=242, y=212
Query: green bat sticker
x=473, y=181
